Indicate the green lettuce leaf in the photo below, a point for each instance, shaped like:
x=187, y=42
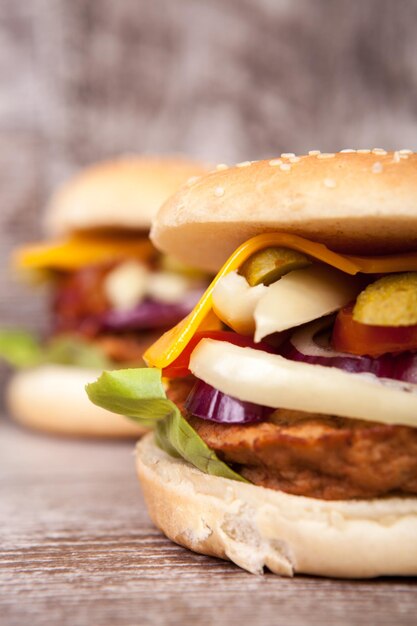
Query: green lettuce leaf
x=178, y=438
x=135, y=393
x=140, y=395
x=67, y=350
x=21, y=349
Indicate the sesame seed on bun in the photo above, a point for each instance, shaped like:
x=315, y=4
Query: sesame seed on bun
x=355, y=201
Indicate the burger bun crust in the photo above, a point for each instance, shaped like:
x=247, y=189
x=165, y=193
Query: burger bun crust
x=52, y=398
x=257, y=528
x=124, y=193
x=359, y=202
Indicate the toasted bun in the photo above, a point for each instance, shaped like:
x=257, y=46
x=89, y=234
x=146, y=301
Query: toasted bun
x=124, y=193
x=52, y=398
x=359, y=202
x=256, y=527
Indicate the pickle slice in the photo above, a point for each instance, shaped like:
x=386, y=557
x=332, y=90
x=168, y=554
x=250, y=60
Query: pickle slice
x=389, y=301
x=268, y=265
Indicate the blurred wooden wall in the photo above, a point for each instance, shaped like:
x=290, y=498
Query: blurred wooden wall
x=225, y=80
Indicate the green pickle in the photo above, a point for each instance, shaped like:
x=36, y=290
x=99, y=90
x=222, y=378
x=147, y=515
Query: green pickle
x=268, y=265
x=389, y=301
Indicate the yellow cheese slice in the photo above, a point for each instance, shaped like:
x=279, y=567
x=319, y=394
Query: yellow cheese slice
x=388, y=264
x=81, y=250
x=170, y=345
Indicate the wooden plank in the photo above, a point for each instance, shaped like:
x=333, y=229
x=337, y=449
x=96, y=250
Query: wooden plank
x=78, y=548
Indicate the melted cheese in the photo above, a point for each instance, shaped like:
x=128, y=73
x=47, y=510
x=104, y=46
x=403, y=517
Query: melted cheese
x=126, y=285
x=81, y=250
x=172, y=343
x=302, y=296
x=235, y=302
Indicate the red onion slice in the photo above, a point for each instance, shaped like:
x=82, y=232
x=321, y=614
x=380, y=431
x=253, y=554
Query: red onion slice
x=209, y=403
x=304, y=346
x=150, y=314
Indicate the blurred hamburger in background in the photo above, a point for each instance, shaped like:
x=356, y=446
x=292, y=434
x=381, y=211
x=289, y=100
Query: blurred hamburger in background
x=112, y=293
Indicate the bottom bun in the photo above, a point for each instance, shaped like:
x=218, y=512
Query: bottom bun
x=52, y=398
x=256, y=527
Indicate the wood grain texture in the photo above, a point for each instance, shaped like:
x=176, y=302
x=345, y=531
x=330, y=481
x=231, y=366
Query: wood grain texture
x=77, y=548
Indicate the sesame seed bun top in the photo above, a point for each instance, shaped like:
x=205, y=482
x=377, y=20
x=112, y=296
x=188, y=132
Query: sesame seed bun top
x=124, y=193
x=356, y=201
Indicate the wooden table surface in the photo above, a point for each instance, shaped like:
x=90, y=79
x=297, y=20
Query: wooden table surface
x=76, y=547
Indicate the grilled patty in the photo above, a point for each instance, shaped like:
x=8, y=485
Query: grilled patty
x=318, y=456
x=127, y=348
x=79, y=298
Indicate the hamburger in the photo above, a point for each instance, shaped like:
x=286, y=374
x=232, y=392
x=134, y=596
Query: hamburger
x=288, y=439
x=111, y=291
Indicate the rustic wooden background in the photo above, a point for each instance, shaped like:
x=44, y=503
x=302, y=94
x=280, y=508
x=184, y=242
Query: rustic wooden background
x=224, y=80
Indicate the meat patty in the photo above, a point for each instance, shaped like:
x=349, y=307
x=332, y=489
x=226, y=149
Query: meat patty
x=79, y=298
x=126, y=348
x=178, y=390
x=325, y=457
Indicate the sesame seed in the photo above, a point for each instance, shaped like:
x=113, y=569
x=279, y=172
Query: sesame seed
x=313, y=152
x=192, y=180
x=364, y=151
x=285, y=167
x=380, y=151
x=222, y=166
x=287, y=155
x=330, y=183
x=275, y=162
x=399, y=155
x=347, y=150
x=243, y=164
x=405, y=151
x=377, y=168
x=219, y=192
x=294, y=159
x=326, y=155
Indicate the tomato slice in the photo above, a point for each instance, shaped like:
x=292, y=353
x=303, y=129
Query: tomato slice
x=179, y=367
x=366, y=340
